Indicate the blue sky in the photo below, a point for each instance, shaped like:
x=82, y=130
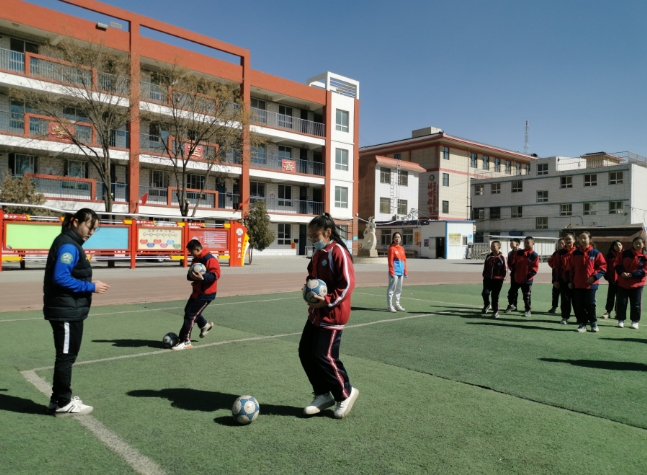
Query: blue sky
x=575, y=69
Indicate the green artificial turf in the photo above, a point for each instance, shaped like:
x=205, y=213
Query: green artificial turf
x=443, y=393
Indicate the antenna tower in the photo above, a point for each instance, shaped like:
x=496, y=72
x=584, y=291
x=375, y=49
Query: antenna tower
x=526, y=147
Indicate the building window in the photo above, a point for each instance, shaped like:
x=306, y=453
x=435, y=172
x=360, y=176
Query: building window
x=24, y=164
x=194, y=182
x=478, y=189
x=528, y=169
x=386, y=237
x=407, y=237
x=342, y=230
x=590, y=180
x=589, y=209
x=341, y=197
x=497, y=164
x=517, y=186
x=445, y=153
x=285, y=153
x=541, y=223
x=479, y=213
x=486, y=162
x=517, y=212
x=508, y=167
x=403, y=178
x=402, y=206
x=445, y=179
x=446, y=207
x=385, y=205
x=473, y=159
x=20, y=46
x=285, y=117
x=158, y=179
x=566, y=182
x=518, y=167
x=542, y=169
x=397, y=156
x=496, y=188
x=615, y=207
x=542, y=196
x=285, y=195
x=284, y=234
x=616, y=178
x=385, y=175
x=341, y=159
x=495, y=213
x=342, y=120
x=256, y=189
x=566, y=210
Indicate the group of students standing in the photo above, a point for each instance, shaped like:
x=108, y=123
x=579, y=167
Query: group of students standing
x=576, y=273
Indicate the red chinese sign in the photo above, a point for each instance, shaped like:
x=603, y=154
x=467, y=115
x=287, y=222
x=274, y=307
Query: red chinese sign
x=432, y=202
x=17, y=217
x=288, y=166
x=59, y=132
x=197, y=151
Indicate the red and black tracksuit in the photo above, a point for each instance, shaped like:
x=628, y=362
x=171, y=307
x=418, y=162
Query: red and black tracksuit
x=321, y=338
x=552, y=262
x=526, y=265
x=630, y=288
x=584, y=264
x=494, y=273
x=611, y=276
x=566, y=293
x=513, y=295
x=204, y=292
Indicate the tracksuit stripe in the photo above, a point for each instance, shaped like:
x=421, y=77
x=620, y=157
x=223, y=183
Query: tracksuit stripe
x=66, y=342
x=188, y=336
x=332, y=362
x=343, y=294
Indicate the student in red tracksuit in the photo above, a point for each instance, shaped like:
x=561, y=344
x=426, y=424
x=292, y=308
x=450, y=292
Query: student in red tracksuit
x=513, y=292
x=566, y=293
x=526, y=265
x=553, y=263
x=204, y=292
x=630, y=266
x=586, y=267
x=321, y=338
x=494, y=273
x=612, y=276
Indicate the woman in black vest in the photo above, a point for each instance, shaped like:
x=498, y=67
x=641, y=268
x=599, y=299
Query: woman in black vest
x=68, y=291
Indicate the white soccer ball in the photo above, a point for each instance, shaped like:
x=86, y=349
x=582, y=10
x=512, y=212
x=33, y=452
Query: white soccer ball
x=170, y=340
x=198, y=268
x=314, y=288
x=245, y=410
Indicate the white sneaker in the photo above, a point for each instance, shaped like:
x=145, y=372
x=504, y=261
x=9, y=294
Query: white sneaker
x=74, y=408
x=621, y=323
x=344, y=407
x=634, y=325
x=605, y=315
x=564, y=321
x=319, y=403
x=185, y=345
x=392, y=310
x=205, y=329
x=399, y=308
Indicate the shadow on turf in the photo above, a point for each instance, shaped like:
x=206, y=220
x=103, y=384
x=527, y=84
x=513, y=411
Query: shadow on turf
x=210, y=401
x=20, y=405
x=612, y=365
x=525, y=327
x=633, y=340
x=132, y=343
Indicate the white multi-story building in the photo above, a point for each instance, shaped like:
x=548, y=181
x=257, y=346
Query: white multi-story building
x=312, y=127
x=596, y=189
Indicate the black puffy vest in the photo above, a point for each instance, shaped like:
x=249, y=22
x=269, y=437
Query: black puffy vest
x=61, y=303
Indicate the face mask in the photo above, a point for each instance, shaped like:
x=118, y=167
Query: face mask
x=319, y=245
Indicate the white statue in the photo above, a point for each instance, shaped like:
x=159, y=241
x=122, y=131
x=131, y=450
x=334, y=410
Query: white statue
x=370, y=241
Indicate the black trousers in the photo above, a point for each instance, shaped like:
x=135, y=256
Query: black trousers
x=635, y=296
x=67, y=341
x=584, y=306
x=567, y=299
x=611, y=297
x=192, y=315
x=492, y=286
x=526, y=290
x=319, y=354
x=555, y=302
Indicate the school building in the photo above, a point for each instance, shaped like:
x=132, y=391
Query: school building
x=313, y=127
x=595, y=190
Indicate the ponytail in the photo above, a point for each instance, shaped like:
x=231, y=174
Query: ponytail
x=325, y=221
x=393, y=237
x=82, y=215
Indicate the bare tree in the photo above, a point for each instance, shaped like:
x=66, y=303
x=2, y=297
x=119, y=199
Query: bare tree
x=198, y=120
x=85, y=102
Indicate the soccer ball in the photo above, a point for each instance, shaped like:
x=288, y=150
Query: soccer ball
x=170, y=340
x=314, y=287
x=245, y=410
x=198, y=268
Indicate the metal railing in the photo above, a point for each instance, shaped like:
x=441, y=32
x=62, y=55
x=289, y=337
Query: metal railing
x=153, y=92
x=59, y=187
x=156, y=195
x=289, y=206
x=12, y=61
x=119, y=192
x=60, y=72
x=159, y=196
x=12, y=123
x=283, y=121
x=40, y=128
x=274, y=162
x=117, y=139
x=152, y=143
x=114, y=84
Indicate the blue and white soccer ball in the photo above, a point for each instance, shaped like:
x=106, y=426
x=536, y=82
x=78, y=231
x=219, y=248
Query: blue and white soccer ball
x=245, y=410
x=198, y=268
x=314, y=288
x=170, y=340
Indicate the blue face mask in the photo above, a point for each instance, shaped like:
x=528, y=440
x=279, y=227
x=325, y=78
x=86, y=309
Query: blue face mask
x=319, y=245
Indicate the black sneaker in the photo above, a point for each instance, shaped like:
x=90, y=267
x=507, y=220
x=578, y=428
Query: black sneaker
x=553, y=310
x=510, y=309
x=486, y=309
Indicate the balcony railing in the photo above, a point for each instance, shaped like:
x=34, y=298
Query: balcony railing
x=157, y=145
x=287, y=122
x=12, y=61
x=118, y=139
x=160, y=196
x=39, y=127
x=55, y=71
x=119, y=192
x=289, y=206
x=153, y=92
x=12, y=123
x=274, y=162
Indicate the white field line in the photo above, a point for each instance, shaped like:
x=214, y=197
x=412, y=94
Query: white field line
x=152, y=309
x=423, y=300
x=140, y=463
